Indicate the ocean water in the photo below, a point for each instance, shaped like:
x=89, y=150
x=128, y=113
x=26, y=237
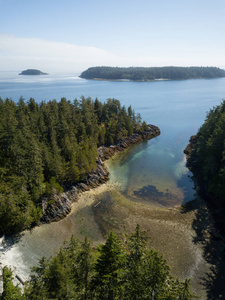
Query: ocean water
x=153, y=171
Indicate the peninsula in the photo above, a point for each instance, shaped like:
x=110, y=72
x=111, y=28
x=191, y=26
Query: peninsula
x=151, y=74
x=57, y=152
x=32, y=72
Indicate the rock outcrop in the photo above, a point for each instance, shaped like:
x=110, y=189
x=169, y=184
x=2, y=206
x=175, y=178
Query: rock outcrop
x=56, y=211
x=62, y=204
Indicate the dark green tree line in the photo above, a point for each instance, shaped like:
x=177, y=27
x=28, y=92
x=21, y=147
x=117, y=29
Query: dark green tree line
x=144, y=74
x=209, y=155
x=45, y=145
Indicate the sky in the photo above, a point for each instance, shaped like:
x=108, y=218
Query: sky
x=72, y=35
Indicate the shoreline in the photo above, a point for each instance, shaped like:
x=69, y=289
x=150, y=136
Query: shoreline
x=104, y=208
x=148, y=80
x=127, y=80
x=62, y=206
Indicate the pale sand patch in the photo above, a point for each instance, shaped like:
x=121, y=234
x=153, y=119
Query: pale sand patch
x=22, y=252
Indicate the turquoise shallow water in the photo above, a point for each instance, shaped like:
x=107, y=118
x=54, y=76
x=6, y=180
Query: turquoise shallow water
x=154, y=170
x=147, y=174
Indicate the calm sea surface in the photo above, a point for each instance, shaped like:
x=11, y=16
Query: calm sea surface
x=152, y=171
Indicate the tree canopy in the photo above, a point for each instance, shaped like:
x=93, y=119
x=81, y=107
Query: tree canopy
x=45, y=145
x=118, y=269
x=208, y=157
x=153, y=73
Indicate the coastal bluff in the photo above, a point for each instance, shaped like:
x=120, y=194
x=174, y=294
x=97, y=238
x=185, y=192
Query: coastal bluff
x=63, y=203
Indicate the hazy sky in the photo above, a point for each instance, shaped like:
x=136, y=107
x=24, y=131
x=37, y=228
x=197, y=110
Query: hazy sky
x=72, y=35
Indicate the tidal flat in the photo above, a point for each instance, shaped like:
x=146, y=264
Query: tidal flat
x=100, y=210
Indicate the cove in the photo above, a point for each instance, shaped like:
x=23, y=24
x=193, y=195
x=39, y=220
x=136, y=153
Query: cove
x=152, y=173
x=146, y=174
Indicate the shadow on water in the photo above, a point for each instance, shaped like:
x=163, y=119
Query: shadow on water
x=186, y=184
x=213, y=246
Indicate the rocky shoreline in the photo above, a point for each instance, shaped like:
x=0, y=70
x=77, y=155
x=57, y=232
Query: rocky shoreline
x=63, y=203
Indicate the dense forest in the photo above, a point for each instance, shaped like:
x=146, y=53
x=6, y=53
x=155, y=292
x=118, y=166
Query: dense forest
x=207, y=160
x=153, y=73
x=118, y=269
x=43, y=146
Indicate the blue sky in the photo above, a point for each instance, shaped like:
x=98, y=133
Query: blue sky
x=72, y=35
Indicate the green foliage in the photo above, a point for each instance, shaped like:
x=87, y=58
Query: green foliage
x=10, y=291
x=107, y=281
x=115, y=270
x=209, y=154
x=43, y=146
x=144, y=74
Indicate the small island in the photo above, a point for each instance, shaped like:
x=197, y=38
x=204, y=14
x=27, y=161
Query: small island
x=32, y=72
x=151, y=74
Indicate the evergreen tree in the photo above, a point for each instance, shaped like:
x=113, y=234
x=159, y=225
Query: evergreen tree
x=208, y=156
x=136, y=246
x=48, y=145
x=10, y=291
x=107, y=283
x=84, y=270
x=113, y=271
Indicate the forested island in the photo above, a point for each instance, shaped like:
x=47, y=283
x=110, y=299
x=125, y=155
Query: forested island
x=207, y=162
x=152, y=73
x=32, y=72
x=47, y=148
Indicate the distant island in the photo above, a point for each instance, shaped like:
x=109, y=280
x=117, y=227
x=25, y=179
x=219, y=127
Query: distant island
x=32, y=72
x=153, y=73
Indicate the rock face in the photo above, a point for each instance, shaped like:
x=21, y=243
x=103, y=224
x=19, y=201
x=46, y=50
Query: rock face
x=32, y=72
x=62, y=204
x=56, y=211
